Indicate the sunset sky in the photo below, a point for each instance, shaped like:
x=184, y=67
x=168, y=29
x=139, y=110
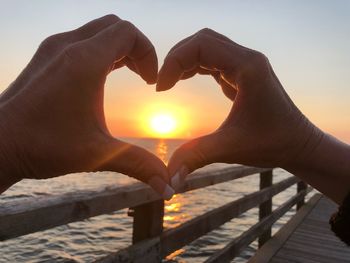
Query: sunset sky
x=307, y=42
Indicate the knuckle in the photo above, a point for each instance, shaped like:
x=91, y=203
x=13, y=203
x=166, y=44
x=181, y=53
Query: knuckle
x=51, y=43
x=256, y=65
x=127, y=25
x=73, y=59
x=72, y=53
x=202, y=35
x=206, y=31
x=259, y=59
x=112, y=18
x=125, y=28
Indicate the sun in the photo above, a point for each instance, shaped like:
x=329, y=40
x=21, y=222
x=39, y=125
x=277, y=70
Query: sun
x=164, y=120
x=163, y=124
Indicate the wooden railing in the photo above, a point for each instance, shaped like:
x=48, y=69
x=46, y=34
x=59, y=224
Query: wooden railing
x=150, y=242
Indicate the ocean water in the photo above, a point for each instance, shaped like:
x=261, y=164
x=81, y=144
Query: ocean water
x=96, y=237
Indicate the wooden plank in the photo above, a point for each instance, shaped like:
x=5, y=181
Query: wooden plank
x=266, y=252
x=296, y=259
x=265, y=208
x=313, y=250
x=238, y=244
x=176, y=238
x=296, y=255
x=313, y=239
x=39, y=213
x=281, y=260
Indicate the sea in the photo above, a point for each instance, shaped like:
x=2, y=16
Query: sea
x=91, y=239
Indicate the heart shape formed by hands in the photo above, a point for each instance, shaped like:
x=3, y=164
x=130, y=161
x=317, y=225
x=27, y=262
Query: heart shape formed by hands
x=60, y=127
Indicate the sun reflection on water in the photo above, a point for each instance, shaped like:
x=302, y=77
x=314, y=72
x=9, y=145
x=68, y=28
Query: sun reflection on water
x=175, y=207
x=162, y=151
x=174, y=254
x=173, y=212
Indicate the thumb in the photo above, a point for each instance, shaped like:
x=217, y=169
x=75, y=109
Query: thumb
x=196, y=154
x=137, y=162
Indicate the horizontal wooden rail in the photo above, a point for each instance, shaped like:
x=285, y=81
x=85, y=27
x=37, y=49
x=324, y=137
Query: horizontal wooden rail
x=41, y=213
x=199, y=180
x=150, y=242
x=175, y=238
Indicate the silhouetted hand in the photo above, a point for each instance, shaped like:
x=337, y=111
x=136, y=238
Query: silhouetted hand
x=52, y=118
x=264, y=128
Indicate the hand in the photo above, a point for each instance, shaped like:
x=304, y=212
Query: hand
x=264, y=128
x=52, y=118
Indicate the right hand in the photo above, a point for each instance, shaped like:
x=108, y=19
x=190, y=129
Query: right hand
x=264, y=128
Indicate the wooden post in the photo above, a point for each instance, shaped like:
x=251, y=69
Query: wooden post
x=265, y=208
x=148, y=220
x=300, y=187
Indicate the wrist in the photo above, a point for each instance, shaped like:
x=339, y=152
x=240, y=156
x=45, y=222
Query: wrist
x=306, y=149
x=324, y=163
x=297, y=139
x=307, y=142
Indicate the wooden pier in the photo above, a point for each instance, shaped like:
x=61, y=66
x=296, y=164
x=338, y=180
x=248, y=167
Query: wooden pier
x=306, y=238
x=306, y=233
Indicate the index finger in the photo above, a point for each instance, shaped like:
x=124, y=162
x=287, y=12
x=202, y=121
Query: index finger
x=115, y=43
x=206, y=49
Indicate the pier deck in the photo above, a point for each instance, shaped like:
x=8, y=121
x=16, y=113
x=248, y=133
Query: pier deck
x=306, y=238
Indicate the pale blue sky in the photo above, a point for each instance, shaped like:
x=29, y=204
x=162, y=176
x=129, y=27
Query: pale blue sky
x=307, y=42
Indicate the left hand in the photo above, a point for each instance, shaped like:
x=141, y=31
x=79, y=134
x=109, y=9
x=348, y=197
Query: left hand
x=51, y=117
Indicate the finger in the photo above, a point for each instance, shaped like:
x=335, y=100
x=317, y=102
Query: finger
x=144, y=58
x=51, y=46
x=126, y=62
x=112, y=46
x=204, y=50
x=137, y=162
x=204, y=31
x=56, y=43
x=229, y=91
x=93, y=27
x=198, y=70
x=183, y=41
x=195, y=154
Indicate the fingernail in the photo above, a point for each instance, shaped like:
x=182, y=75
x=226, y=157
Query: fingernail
x=183, y=172
x=168, y=192
x=175, y=181
x=161, y=187
x=151, y=82
x=158, y=88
